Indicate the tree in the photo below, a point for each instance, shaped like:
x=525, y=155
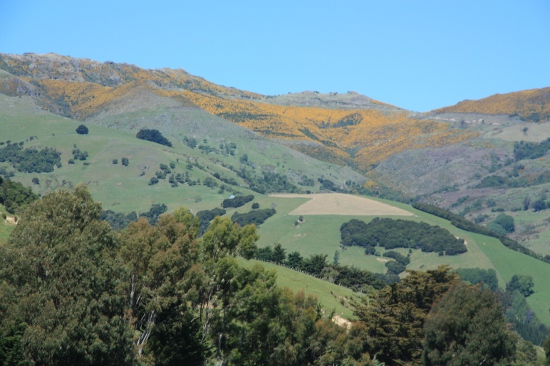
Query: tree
x=495, y=228
x=159, y=260
x=125, y=161
x=62, y=281
x=526, y=203
x=506, y=221
x=467, y=327
x=539, y=205
x=524, y=284
x=294, y=260
x=279, y=254
x=394, y=317
x=82, y=130
x=546, y=346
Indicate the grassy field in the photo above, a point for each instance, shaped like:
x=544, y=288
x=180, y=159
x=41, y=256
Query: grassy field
x=6, y=227
x=331, y=296
x=507, y=263
x=125, y=189
x=320, y=234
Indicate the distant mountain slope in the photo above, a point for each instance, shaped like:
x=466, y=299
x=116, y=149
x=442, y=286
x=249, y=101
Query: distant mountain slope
x=530, y=105
x=345, y=129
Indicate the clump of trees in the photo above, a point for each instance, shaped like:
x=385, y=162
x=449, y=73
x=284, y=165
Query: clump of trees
x=466, y=327
x=206, y=216
x=154, y=212
x=153, y=136
x=477, y=275
x=256, y=217
x=267, y=182
x=79, y=155
x=317, y=265
x=399, y=258
x=14, y=195
x=118, y=220
x=390, y=234
x=531, y=150
x=404, y=327
x=237, y=201
x=30, y=160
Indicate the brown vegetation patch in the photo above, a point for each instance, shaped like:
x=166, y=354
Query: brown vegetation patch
x=341, y=321
x=343, y=204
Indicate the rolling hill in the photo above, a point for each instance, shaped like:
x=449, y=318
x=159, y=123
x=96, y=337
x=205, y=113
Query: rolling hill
x=530, y=105
x=361, y=133
x=463, y=158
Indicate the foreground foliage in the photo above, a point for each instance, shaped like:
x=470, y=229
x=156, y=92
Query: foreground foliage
x=72, y=291
x=466, y=328
x=13, y=195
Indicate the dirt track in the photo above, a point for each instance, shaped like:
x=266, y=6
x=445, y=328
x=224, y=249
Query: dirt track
x=343, y=204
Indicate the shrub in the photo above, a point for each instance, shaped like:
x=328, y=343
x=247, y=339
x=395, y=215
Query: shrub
x=153, y=136
x=82, y=130
x=115, y=161
x=506, y=221
x=255, y=205
x=125, y=161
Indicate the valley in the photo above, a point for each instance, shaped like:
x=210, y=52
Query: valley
x=301, y=166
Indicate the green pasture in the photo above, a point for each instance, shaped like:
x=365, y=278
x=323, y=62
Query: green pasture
x=123, y=188
x=507, y=263
x=330, y=295
x=5, y=227
x=321, y=235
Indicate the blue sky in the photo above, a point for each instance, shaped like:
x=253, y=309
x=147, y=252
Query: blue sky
x=418, y=55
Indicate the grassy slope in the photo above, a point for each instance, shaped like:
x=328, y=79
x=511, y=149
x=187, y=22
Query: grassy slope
x=523, y=103
x=5, y=227
x=321, y=235
x=116, y=186
x=328, y=293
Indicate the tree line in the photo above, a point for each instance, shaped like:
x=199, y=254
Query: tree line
x=464, y=224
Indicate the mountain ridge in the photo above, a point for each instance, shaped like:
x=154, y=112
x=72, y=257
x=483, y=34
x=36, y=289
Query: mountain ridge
x=81, y=89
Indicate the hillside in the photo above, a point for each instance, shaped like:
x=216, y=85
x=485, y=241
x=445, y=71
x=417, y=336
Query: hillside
x=530, y=105
x=450, y=157
x=349, y=129
x=319, y=233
